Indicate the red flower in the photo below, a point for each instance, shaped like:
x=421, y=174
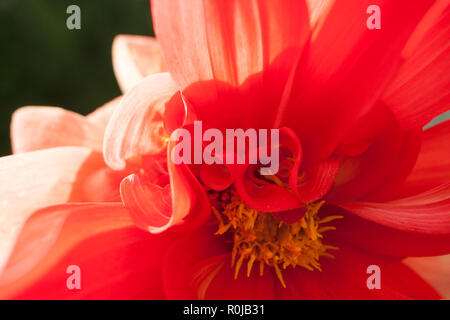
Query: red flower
x=360, y=183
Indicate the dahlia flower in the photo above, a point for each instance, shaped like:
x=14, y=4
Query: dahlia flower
x=361, y=183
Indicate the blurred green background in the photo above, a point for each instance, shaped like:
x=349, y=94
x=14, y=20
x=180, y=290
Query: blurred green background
x=44, y=63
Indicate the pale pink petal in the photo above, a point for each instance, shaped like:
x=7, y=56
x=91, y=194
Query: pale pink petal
x=37, y=179
x=35, y=128
x=101, y=115
x=134, y=58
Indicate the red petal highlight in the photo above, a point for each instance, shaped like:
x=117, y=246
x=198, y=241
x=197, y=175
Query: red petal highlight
x=427, y=213
x=325, y=105
x=222, y=43
x=420, y=90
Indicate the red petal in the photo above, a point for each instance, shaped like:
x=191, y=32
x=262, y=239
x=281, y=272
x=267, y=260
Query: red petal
x=346, y=277
x=386, y=157
x=317, y=181
x=198, y=267
x=216, y=176
x=190, y=205
x=217, y=45
x=35, y=128
x=136, y=127
x=325, y=104
x=262, y=195
x=183, y=255
x=420, y=90
x=101, y=239
x=134, y=58
x=38, y=179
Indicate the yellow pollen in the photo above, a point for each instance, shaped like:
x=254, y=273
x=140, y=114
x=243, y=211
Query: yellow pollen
x=260, y=237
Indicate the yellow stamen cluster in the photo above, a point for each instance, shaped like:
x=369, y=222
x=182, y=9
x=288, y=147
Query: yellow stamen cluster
x=260, y=237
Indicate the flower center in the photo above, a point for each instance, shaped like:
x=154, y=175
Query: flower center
x=261, y=237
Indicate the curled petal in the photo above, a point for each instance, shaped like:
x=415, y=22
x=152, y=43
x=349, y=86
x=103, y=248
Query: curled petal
x=35, y=128
x=317, y=180
x=260, y=194
x=134, y=58
x=181, y=203
x=149, y=204
x=136, y=127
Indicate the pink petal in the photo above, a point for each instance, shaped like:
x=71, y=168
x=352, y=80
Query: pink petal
x=136, y=127
x=134, y=58
x=35, y=128
x=101, y=115
x=37, y=179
